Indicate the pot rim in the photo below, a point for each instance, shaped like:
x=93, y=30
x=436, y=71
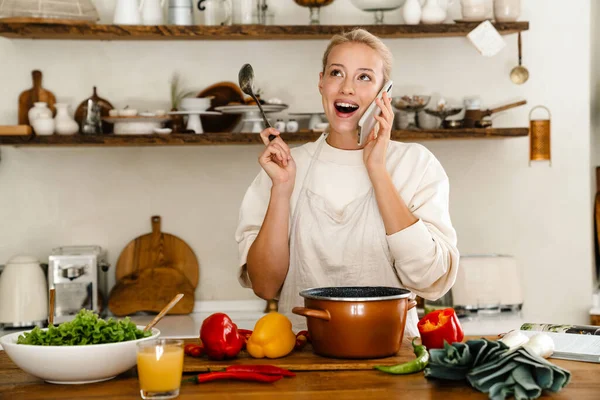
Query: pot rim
x=307, y=295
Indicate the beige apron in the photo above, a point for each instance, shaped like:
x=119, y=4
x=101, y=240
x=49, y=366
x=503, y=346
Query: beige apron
x=336, y=248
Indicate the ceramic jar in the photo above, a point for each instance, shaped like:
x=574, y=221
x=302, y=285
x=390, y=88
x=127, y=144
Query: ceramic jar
x=411, y=12
x=64, y=123
x=39, y=109
x=473, y=10
x=291, y=126
x=507, y=10
x=280, y=125
x=43, y=125
x=434, y=12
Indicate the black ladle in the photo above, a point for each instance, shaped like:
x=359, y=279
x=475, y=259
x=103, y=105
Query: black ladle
x=246, y=81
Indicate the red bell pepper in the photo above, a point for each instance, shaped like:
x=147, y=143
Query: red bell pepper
x=220, y=337
x=439, y=326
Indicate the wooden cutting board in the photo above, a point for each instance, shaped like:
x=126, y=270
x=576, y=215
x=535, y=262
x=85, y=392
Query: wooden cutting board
x=151, y=290
x=15, y=130
x=33, y=95
x=303, y=360
x=158, y=249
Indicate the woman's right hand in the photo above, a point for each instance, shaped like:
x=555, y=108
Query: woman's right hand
x=277, y=161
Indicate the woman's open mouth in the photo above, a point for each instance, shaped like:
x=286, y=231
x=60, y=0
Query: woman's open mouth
x=344, y=109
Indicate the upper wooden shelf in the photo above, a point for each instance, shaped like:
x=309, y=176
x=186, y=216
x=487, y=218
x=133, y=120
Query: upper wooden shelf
x=245, y=138
x=36, y=30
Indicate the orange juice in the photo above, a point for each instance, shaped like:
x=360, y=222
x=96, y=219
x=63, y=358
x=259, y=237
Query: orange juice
x=160, y=368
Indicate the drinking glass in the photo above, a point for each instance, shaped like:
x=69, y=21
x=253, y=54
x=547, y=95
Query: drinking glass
x=160, y=367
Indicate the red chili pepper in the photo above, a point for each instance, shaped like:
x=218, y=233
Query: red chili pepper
x=237, y=375
x=193, y=349
x=439, y=326
x=245, y=334
x=301, y=339
x=261, y=369
x=197, y=351
x=220, y=337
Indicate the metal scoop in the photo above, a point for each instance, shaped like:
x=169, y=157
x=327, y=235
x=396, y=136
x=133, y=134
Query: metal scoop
x=246, y=81
x=519, y=74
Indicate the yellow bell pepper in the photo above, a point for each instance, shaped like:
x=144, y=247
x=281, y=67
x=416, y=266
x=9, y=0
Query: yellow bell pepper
x=272, y=337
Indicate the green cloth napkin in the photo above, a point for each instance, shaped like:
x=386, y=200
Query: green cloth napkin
x=454, y=361
x=490, y=367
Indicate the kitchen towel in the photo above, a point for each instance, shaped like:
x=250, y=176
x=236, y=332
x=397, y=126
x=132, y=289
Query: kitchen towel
x=491, y=367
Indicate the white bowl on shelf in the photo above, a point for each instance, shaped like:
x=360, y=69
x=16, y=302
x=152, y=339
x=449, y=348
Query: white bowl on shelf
x=74, y=364
x=195, y=103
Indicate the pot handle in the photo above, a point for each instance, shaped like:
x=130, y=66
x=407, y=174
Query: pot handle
x=412, y=304
x=310, y=312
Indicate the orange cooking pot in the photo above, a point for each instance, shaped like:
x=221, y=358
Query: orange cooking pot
x=356, y=321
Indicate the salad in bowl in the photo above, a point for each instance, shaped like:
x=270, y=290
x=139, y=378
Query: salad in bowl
x=85, y=350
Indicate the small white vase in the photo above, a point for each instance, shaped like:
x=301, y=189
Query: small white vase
x=433, y=13
x=411, y=12
x=64, y=123
x=43, y=126
x=39, y=109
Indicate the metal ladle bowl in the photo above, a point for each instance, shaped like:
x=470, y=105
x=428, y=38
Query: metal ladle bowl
x=519, y=74
x=246, y=81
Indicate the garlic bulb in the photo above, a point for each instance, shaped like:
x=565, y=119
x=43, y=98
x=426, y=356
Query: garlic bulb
x=514, y=339
x=541, y=344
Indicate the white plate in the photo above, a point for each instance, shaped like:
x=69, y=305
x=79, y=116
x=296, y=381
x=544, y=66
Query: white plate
x=308, y=114
x=251, y=108
x=194, y=112
x=114, y=120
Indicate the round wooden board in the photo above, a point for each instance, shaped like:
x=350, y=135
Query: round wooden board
x=158, y=249
x=224, y=93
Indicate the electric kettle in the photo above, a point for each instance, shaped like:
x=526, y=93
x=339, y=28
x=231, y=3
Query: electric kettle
x=23, y=293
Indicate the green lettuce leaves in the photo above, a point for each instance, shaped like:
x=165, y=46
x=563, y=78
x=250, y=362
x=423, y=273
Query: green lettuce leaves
x=86, y=328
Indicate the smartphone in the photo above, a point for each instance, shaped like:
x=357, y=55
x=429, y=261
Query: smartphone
x=367, y=121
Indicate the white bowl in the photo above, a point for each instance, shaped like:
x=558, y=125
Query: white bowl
x=128, y=112
x=74, y=364
x=195, y=104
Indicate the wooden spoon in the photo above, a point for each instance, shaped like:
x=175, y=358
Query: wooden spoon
x=163, y=312
x=51, y=307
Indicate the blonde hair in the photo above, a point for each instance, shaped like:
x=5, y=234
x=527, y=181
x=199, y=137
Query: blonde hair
x=362, y=36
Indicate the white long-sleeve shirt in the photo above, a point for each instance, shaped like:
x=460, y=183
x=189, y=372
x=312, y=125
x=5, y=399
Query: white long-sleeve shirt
x=425, y=254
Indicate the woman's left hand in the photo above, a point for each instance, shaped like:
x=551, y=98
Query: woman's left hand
x=376, y=147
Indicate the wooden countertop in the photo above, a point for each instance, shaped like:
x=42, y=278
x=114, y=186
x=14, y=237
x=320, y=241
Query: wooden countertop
x=354, y=385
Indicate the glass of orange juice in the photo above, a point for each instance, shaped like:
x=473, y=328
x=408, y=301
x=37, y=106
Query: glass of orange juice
x=160, y=367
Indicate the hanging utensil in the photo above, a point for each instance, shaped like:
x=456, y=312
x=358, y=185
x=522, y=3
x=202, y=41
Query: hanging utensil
x=519, y=74
x=246, y=81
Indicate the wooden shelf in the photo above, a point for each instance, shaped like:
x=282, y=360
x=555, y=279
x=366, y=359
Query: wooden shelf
x=244, y=138
x=38, y=30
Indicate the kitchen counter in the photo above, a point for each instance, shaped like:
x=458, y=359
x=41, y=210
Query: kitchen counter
x=16, y=384
x=245, y=314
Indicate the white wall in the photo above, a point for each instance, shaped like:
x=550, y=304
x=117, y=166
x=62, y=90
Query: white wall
x=105, y=196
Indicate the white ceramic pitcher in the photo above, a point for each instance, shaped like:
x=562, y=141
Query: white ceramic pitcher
x=152, y=12
x=130, y=12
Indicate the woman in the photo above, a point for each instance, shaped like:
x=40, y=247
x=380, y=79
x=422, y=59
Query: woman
x=329, y=213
